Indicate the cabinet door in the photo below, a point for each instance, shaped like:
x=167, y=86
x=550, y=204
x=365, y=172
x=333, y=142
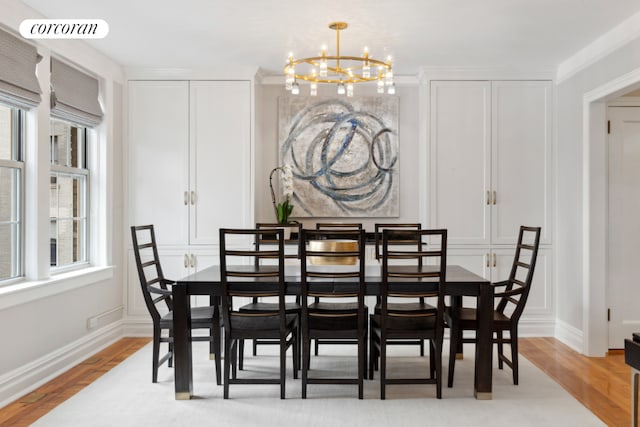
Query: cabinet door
x=220, y=158
x=521, y=159
x=158, y=158
x=460, y=160
x=476, y=260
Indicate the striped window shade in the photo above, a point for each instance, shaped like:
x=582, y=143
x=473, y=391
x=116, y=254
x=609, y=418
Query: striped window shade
x=74, y=95
x=18, y=82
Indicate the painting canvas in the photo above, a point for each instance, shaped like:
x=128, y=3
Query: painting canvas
x=344, y=155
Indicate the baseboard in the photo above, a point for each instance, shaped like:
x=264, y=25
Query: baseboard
x=569, y=335
x=536, y=327
x=20, y=381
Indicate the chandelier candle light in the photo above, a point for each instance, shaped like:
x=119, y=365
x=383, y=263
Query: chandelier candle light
x=283, y=209
x=344, y=71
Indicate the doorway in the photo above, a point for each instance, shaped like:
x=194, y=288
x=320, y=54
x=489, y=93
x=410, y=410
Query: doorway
x=623, y=223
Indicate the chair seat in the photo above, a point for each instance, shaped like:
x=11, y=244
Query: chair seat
x=468, y=319
x=289, y=307
x=334, y=307
x=262, y=323
x=200, y=317
x=407, y=308
x=406, y=327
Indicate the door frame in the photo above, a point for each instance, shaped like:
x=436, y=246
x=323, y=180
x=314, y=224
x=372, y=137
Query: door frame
x=595, y=207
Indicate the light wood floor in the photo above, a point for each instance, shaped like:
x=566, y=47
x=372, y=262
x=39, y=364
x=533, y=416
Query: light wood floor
x=601, y=384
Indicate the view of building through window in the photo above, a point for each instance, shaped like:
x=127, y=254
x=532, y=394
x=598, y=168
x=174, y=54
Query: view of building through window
x=11, y=173
x=68, y=197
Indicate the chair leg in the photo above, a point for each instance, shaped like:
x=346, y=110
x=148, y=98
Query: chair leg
x=227, y=363
x=216, y=337
x=362, y=362
x=436, y=349
x=283, y=366
x=432, y=360
x=170, y=362
x=156, y=354
x=241, y=354
x=383, y=366
x=514, y=354
x=421, y=348
x=306, y=350
x=500, y=341
x=453, y=346
x=371, y=356
x=317, y=346
x=255, y=347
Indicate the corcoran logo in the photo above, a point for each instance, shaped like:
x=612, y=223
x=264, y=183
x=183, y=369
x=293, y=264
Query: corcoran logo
x=64, y=28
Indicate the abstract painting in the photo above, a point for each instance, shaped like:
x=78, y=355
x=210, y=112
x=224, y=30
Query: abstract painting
x=344, y=154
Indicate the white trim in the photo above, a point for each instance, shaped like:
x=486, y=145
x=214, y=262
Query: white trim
x=625, y=101
x=536, y=327
x=245, y=73
x=594, y=207
x=28, y=291
x=27, y=378
x=485, y=73
x=567, y=334
x=606, y=44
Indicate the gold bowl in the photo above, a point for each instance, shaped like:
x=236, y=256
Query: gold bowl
x=333, y=246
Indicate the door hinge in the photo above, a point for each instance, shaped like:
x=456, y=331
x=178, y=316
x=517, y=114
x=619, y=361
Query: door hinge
x=608, y=126
x=608, y=315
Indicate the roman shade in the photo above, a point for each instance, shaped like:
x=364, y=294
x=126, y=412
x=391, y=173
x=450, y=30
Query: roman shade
x=18, y=82
x=74, y=95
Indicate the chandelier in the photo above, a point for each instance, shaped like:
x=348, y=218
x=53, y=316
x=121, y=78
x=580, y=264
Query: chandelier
x=344, y=71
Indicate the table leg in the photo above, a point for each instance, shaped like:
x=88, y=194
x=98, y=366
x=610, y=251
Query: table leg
x=456, y=304
x=183, y=369
x=484, y=346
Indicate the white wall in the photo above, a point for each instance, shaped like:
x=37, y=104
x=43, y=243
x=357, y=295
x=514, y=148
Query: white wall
x=267, y=145
x=44, y=328
x=574, y=220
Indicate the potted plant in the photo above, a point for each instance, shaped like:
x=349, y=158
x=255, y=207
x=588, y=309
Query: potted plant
x=283, y=209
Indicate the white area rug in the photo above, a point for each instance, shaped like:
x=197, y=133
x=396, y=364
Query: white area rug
x=125, y=396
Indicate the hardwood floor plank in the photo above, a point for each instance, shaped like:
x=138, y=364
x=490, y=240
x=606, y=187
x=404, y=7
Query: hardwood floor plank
x=39, y=402
x=602, y=384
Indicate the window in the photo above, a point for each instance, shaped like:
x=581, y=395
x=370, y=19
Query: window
x=69, y=194
x=11, y=189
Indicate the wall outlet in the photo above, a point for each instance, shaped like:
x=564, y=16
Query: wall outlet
x=92, y=322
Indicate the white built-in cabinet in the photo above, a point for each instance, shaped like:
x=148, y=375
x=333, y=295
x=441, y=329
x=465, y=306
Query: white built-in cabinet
x=490, y=172
x=189, y=169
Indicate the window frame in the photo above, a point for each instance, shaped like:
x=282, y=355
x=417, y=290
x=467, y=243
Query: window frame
x=18, y=199
x=85, y=175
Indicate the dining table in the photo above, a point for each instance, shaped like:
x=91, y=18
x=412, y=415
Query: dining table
x=459, y=282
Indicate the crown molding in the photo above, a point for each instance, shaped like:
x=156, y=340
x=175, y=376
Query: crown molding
x=606, y=44
x=247, y=73
x=485, y=73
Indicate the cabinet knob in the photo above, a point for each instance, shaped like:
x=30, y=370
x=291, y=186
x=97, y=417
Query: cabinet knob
x=487, y=257
x=193, y=197
x=488, y=197
x=494, y=198
x=186, y=198
x=186, y=261
x=193, y=261
x=494, y=260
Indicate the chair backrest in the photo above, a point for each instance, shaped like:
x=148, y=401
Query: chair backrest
x=380, y=227
x=421, y=278
x=517, y=289
x=152, y=280
x=242, y=276
x=266, y=239
x=319, y=269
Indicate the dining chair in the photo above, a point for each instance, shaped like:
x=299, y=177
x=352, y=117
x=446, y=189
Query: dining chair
x=378, y=229
x=329, y=260
x=241, y=277
x=328, y=317
x=266, y=304
x=158, y=299
x=511, y=297
x=410, y=319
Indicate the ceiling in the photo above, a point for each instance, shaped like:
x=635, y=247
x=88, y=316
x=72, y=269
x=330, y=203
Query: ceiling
x=230, y=34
